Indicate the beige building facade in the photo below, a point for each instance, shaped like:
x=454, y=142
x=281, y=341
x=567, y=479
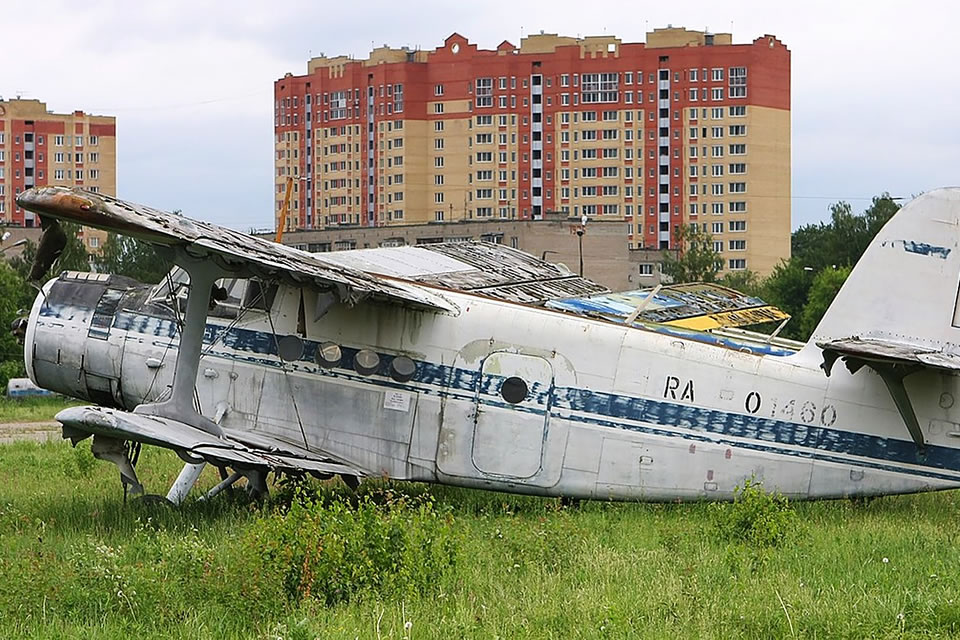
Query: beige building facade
x=686, y=128
x=39, y=147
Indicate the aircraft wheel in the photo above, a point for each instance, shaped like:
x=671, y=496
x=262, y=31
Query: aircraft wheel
x=153, y=499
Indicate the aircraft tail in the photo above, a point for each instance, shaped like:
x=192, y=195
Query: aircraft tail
x=904, y=289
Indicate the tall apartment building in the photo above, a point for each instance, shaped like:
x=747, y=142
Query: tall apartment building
x=39, y=147
x=685, y=128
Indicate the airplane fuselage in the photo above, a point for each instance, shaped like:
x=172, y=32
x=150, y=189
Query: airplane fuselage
x=511, y=397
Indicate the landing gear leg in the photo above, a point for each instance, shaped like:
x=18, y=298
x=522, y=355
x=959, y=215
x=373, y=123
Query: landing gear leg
x=256, y=484
x=227, y=482
x=117, y=452
x=185, y=481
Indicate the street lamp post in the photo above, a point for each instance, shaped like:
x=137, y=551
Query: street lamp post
x=580, y=232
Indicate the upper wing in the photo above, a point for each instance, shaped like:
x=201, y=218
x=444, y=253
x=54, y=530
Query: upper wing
x=235, y=250
x=486, y=268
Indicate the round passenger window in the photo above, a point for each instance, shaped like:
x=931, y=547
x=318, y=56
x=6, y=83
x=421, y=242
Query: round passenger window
x=513, y=390
x=366, y=362
x=329, y=355
x=290, y=348
x=403, y=369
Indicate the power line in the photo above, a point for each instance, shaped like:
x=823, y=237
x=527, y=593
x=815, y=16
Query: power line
x=184, y=104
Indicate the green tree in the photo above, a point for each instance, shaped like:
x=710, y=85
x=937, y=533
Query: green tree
x=787, y=288
x=15, y=295
x=824, y=289
x=841, y=242
x=746, y=281
x=697, y=261
x=133, y=258
x=23, y=262
x=74, y=256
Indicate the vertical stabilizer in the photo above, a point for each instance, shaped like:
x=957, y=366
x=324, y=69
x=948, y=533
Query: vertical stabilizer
x=906, y=286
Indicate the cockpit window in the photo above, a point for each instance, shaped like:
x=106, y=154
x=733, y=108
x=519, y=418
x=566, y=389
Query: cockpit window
x=259, y=296
x=176, y=280
x=237, y=295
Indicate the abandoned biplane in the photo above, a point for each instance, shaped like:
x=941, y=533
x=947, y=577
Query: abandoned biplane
x=480, y=366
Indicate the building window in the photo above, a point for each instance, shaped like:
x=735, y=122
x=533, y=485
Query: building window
x=438, y=107
x=738, y=82
x=438, y=90
x=738, y=264
x=716, y=74
x=599, y=87
x=738, y=187
x=738, y=207
x=484, y=92
x=738, y=111
x=738, y=149
x=716, y=93
x=737, y=225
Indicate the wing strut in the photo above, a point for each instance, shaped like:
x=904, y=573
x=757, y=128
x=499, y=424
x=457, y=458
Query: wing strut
x=203, y=274
x=892, y=372
x=892, y=376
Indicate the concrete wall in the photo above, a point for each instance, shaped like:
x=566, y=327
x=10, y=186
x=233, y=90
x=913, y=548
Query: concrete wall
x=606, y=257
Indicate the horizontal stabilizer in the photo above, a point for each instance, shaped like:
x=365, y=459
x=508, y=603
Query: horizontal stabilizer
x=857, y=351
x=237, y=449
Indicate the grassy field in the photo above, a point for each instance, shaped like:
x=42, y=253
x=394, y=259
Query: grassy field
x=34, y=409
x=409, y=561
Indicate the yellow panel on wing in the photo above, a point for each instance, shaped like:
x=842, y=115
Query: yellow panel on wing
x=732, y=318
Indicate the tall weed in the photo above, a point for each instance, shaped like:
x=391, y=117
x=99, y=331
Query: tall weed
x=331, y=549
x=756, y=517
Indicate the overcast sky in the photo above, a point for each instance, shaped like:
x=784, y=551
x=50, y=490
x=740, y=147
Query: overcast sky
x=875, y=86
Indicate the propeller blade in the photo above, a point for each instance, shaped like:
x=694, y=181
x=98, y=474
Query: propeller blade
x=52, y=242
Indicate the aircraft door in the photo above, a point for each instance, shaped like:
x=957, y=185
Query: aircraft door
x=513, y=399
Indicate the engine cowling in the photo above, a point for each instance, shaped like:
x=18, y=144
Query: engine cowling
x=68, y=344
